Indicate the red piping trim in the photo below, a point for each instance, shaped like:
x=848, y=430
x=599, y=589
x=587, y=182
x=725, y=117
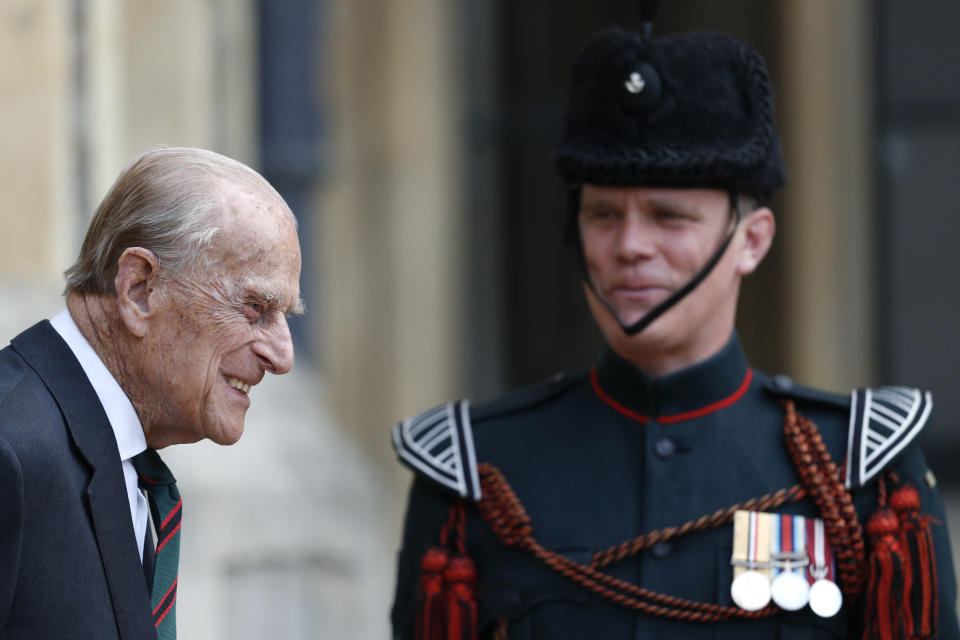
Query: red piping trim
x=613, y=403
x=710, y=408
x=677, y=417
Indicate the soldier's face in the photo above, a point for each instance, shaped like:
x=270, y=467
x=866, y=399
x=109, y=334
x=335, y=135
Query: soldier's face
x=643, y=244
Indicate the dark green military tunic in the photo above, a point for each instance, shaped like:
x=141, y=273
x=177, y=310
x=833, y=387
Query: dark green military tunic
x=601, y=457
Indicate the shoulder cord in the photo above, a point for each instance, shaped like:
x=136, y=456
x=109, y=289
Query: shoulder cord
x=824, y=483
x=506, y=516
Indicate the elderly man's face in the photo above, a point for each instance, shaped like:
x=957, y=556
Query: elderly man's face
x=218, y=329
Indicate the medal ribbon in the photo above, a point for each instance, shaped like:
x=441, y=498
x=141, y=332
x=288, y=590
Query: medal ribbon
x=799, y=534
x=825, y=552
x=820, y=552
x=792, y=537
x=776, y=541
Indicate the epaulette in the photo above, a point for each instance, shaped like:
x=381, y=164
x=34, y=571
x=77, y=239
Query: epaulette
x=883, y=422
x=439, y=444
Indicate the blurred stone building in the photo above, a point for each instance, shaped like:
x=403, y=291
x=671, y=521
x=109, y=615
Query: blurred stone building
x=412, y=140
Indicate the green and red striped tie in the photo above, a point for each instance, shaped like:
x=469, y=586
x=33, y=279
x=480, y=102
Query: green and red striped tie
x=165, y=509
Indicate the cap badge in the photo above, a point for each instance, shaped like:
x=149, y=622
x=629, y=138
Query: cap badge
x=639, y=89
x=635, y=83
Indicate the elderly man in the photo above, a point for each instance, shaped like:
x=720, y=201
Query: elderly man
x=672, y=491
x=175, y=309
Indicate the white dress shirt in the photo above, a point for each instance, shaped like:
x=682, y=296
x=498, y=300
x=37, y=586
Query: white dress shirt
x=120, y=412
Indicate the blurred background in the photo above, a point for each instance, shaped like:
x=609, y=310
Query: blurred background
x=413, y=141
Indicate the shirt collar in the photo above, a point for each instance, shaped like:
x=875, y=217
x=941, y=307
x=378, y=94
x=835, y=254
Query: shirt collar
x=695, y=391
x=120, y=412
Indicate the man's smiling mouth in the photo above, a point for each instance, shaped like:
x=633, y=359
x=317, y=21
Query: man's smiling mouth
x=237, y=384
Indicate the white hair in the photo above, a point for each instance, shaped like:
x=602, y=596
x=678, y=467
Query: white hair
x=165, y=201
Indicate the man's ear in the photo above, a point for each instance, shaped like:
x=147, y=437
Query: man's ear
x=759, y=228
x=136, y=270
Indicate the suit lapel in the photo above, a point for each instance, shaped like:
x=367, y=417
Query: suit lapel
x=46, y=352
x=118, y=550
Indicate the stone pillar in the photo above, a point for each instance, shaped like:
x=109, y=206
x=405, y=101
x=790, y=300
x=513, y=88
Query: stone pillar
x=37, y=166
x=392, y=216
x=177, y=73
x=827, y=226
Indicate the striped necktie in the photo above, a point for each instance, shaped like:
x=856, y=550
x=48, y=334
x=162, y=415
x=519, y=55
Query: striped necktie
x=165, y=508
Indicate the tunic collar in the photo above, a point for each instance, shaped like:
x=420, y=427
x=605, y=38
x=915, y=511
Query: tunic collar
x=695, y=391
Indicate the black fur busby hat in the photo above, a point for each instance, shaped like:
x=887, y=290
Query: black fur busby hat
x=688, y=110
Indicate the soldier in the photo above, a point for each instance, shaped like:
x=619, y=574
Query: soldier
x=672, y=490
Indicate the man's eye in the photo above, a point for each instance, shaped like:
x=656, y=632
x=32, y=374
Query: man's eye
x=668, y=215
x=254, y=310
x=601, y=215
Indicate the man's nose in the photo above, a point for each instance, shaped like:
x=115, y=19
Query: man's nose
x=275, y=350
x=636, y=239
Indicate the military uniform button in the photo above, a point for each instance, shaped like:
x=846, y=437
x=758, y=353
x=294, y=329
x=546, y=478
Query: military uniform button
x=661, y=549
x=664, y=448
x=783, y=382
x=512, y=601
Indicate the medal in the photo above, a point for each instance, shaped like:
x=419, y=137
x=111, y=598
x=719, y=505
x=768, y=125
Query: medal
x=750, y=589
x=790, y=591
x=825, y=596
x=789, y=588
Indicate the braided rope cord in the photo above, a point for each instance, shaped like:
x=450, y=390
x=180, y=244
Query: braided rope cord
x=718, y=518
x=824, y=481
x=504, y=513
x=502, y=510
x=456, y=525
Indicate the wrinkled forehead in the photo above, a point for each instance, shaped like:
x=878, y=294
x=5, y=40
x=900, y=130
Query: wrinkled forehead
x=251, y=200
x=253, y=220
x=256, y=239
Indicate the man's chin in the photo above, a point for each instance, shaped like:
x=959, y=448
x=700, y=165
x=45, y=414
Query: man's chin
x=627, y=316
x=631, y=318
x=614, y=328
x=628, y=312
x=609, y=316
x=226, y=436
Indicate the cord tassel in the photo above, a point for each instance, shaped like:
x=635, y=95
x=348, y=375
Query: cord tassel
x=885, y=589
x=431, y=616
x=920, y=566
x=448, y=585
x=460, y=591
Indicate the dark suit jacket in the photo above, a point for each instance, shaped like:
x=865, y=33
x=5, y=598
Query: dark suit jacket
x=69, y=563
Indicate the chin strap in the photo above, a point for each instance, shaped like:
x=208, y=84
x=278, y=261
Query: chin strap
x=676, y=296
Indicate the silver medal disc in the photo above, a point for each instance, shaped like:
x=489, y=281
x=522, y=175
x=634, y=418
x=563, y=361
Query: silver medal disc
x=750, y=591
x=825, y=598
x=790, y=591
